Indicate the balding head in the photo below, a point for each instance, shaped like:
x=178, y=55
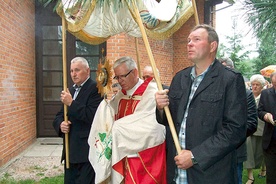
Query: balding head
x=148, y=72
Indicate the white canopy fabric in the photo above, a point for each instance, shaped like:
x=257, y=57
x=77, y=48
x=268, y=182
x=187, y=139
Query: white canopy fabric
x=94, y=21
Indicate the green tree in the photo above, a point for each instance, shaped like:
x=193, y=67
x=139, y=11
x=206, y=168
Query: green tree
x=236, y=51
x=261, y=17
x=221, y=51
x=266, y=56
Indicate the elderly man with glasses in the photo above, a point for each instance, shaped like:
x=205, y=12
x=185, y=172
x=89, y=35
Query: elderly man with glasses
x=137, y=141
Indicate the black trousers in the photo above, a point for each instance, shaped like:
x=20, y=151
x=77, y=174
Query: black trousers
x=270, y=162
x=79, y=173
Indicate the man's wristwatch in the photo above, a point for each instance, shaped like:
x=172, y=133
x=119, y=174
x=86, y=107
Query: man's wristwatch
x=193, y=159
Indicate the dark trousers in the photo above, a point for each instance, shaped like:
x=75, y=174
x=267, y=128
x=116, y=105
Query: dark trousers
x=80, y=173
x=270, y=162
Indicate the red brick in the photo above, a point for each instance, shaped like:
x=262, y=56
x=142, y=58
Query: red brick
x=18, y=105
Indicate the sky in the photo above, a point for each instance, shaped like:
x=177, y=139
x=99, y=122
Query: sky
x=225, y=15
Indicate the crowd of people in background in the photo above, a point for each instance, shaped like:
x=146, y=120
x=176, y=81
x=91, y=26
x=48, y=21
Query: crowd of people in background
x=261, y=149
x=259, y=143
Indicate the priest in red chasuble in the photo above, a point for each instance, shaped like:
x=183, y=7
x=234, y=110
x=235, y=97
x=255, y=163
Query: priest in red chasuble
x=127, y=145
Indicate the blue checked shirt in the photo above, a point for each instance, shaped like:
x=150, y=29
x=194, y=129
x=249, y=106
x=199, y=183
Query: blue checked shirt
x=181, y=175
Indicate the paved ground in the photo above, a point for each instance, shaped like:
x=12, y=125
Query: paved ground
x=40, y=160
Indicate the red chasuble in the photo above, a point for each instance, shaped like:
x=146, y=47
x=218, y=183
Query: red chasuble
x=149, y=165
x=127, y=106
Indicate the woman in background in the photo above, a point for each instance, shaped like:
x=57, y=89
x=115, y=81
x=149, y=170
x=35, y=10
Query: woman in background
x=255, y=157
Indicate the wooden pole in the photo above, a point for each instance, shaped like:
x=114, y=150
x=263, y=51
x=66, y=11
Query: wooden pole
x=195, y=12
x=156, y=76
x=138, y=57
x=64, y=64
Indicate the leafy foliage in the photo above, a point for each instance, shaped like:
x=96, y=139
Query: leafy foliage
x=261, y=17
x=267, y=53
x=236, y=51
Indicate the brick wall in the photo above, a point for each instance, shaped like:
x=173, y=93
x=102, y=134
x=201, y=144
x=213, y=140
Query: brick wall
x=17, y=77
x=125, y=45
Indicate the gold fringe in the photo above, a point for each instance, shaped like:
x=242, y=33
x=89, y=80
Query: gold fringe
x=78, y=25
x=76, y=28
x=93, y=40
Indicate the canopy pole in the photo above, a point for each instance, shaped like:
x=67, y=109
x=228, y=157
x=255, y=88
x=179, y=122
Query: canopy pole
x=64, y=63
x=195, y=12
x=156, y=76
x=138, y=57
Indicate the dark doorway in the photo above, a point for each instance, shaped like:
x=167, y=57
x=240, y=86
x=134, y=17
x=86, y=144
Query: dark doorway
x=49, y=74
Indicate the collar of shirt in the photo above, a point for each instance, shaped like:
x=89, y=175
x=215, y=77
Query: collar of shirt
x=193, y=74
x=76, y=87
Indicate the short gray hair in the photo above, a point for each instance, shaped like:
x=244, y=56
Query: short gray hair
x=259, y=78
x=130, y=63
x=81, y=60
x=227, y=61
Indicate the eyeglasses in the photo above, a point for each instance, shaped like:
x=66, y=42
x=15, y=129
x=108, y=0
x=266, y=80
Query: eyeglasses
x=122, y=76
